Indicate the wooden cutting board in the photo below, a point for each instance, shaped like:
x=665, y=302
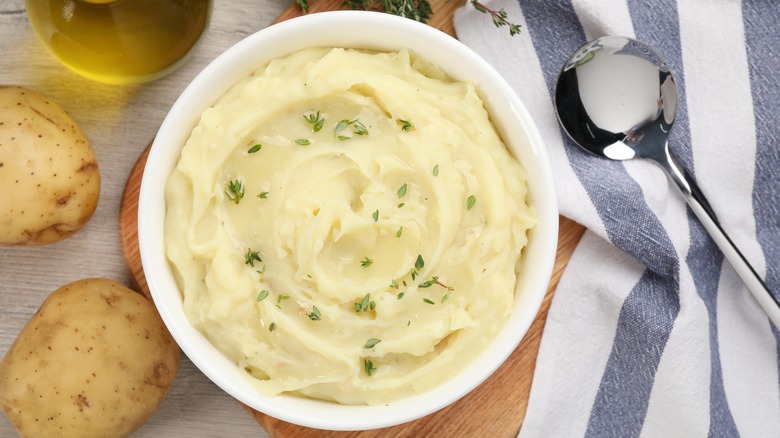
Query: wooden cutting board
x=497, y=407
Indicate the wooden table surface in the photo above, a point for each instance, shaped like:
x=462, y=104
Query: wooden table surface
x=120, y=121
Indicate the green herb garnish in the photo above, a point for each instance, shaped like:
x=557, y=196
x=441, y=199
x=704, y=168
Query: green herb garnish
x=406, y=126
x=235, y=191
x=368, y=367
x=470, y=201
x=366, y=262
x=279, y=300
x=418, y=10
x=262, y=195
x=375, y=215
x=303, y=141
x=500, y=17
x=402, y=191
x=315, y=314
x=358, y=128
x=371, y=343
x=436, y=170
x=419, y=263
x=262, y=295
x=365, y=304
x=254, y=148
x=399, y=232
x=272, y=327
x=315, y=120
x=251, y=257
x=428, y=300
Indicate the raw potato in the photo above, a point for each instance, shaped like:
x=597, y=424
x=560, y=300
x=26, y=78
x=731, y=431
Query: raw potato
x=94, y=361
x=48, y=171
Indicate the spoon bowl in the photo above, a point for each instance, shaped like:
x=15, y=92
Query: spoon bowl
x=616, y=98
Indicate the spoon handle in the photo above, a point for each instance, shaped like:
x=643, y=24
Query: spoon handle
x=701, y=208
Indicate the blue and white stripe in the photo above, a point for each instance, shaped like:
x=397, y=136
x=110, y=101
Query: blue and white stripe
x=651, y=332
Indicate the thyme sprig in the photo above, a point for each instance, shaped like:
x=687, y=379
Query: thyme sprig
x=315, y=120
x=358, y=128
x=235, y=191
x=434, y=280
x=418, y=10
x=365, y=304
x=500, y=17
x=250, y=257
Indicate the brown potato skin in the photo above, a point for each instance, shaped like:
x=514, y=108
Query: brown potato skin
x=95, y=361
x=48, y=170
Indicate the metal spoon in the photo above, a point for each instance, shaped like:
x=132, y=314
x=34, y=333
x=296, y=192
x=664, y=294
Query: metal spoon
x=616, y=98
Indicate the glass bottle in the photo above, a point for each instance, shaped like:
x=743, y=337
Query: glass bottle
x=119, y=41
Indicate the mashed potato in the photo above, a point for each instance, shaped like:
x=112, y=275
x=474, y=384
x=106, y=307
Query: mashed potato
x=347, y=225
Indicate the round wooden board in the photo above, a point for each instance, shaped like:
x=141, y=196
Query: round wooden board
x=496, y=408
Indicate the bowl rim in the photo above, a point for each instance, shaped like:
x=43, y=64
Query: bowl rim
x=368, y=30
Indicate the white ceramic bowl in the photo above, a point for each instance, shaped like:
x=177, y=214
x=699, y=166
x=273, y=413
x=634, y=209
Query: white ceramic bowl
x=367, y=30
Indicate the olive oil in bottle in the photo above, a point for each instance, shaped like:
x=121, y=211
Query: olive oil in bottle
x=119, y=41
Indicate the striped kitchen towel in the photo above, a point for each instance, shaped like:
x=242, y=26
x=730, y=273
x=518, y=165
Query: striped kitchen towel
x=650, y=331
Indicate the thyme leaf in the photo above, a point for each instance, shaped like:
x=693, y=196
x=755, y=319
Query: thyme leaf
x=315, y=314
x=368, y=367
x=401, y=191
x=371, y=343
x=365, y=304
x=470, y=201
x=419, y=263
x=279, y=300
x=304, y=5
x=406, y=126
